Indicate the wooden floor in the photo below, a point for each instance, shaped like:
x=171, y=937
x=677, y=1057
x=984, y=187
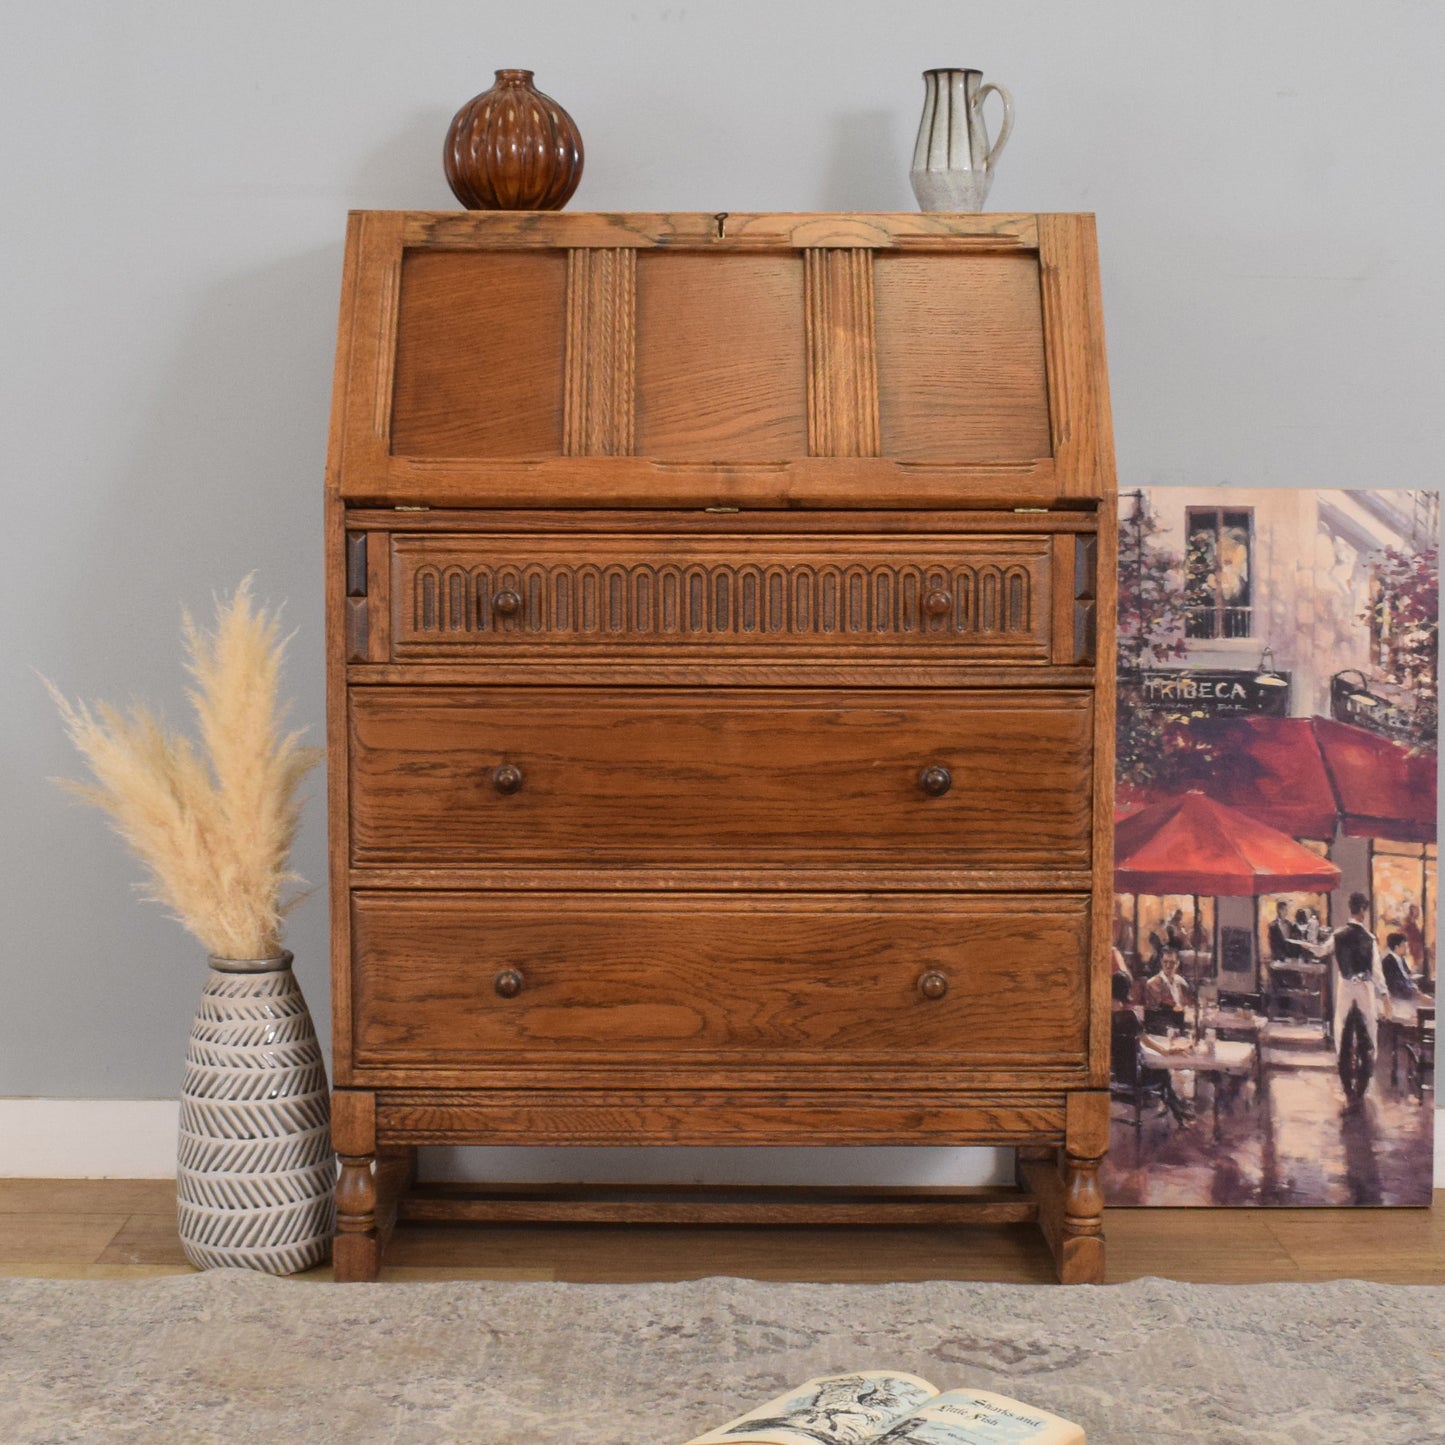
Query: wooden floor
x=125, y=1229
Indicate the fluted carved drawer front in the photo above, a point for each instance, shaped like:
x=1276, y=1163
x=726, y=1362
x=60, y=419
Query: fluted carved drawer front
x=455, y=977
x=451, y=775
x=461, y=597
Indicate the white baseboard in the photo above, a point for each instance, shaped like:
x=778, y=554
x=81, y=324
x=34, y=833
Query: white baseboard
x=136, y=1139
x=88, y=1138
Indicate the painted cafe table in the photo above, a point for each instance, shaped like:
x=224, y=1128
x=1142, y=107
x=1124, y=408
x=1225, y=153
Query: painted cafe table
x=1217, y=1059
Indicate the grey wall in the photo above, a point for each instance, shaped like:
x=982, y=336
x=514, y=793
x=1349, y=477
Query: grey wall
x=174, y=179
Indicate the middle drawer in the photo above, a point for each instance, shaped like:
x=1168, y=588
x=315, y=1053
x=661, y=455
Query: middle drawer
x=613, y=776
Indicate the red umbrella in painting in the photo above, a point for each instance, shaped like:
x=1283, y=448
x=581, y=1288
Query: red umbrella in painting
x=1191, y=844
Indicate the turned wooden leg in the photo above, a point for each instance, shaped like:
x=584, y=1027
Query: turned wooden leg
x=356, y=1254
x=1086, y=1142
x=1065, y=1185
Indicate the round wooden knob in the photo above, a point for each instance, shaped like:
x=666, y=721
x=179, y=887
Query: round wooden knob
x=933, y=984
x=938, y=602
x=507, y=778
x=507, y=603
x=508, y=983
x=935, y=780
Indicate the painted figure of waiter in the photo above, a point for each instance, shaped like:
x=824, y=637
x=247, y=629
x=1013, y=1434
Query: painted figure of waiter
x=1359, y=987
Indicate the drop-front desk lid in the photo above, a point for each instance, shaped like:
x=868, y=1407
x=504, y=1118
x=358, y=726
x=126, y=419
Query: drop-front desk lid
x=504, y=359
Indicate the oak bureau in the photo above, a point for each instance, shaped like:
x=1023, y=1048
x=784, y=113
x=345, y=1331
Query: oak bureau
x=720, y=704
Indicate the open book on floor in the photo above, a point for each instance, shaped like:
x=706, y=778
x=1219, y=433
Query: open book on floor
x=881, y=1407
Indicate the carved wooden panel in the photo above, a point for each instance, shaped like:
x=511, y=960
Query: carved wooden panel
x=479, y=354
x=601, y=339
x=612, y=776
x=842, y=365
x=979, y=595
x=786, y=979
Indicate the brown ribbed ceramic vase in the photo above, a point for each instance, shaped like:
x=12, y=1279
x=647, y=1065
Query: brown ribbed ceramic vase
x=513, y=149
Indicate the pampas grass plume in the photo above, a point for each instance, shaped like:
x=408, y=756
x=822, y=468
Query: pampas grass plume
x=213, y=825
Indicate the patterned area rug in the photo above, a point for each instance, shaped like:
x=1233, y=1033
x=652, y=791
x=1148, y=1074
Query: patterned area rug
x=237, y=1357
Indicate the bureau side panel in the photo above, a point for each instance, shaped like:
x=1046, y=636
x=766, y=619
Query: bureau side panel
x=1104, y=703
x=344, y=420
x=1078, y=386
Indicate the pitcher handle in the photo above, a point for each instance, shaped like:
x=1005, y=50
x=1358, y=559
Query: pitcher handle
x=1008, y=121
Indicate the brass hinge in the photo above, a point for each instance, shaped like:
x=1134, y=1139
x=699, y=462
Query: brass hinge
x=720, y=509
x=400, y=508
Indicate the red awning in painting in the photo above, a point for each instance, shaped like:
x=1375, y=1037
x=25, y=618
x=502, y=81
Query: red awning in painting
x=1384, y=789
x=1271, y=768
x=1305, y=775
x=1192, y=844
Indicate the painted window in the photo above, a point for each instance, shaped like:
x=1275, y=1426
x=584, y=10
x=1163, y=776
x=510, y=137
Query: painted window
x=1219, y=595
x=1401, y=875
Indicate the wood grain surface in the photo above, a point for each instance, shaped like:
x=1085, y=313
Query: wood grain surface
x=867, y=519
x=842, y=356
x=784, y=977
x=961, y=358
x=691, y=484
x=576, y=1204
x=601, y=351
x=792, y=1114
x=720, y=231
x=721, y=361
x=480, y=351
x=738, y=776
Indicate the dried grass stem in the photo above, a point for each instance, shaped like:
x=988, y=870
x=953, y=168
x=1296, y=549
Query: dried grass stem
x=213, y=825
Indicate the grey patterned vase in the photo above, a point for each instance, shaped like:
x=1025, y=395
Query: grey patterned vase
x=255, y=1175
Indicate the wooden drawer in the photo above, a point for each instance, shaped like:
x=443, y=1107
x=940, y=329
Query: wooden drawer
x=737, y=776
x=466, y=597
x=694, y=974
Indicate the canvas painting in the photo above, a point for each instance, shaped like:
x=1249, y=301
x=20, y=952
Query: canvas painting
x=1275, y=902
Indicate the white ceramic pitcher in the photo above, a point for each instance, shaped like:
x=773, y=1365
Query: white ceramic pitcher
x=952, y=162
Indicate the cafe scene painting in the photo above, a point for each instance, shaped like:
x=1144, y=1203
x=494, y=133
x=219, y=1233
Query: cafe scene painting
x=1276, y=867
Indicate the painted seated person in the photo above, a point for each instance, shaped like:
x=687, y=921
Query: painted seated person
x=1401, y=982
x=1125, y=1065
x=1168, y=988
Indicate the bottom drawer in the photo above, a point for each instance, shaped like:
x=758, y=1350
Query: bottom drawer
x=452, y=978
